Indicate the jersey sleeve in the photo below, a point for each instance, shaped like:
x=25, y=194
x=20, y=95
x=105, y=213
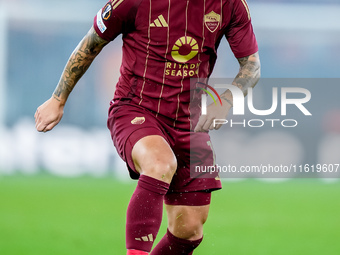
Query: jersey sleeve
x=116, y=17
x=240, y=34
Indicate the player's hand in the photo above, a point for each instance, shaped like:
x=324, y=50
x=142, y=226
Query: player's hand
x=206, y=122
x=48, y=115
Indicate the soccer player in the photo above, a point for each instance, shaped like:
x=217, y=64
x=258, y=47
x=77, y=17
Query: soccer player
x=165, y=44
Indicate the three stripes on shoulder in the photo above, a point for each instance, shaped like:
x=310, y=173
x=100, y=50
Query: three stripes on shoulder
x=159, y=22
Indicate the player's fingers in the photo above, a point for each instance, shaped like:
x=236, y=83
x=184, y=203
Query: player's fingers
x=40, y=127
x=50, y=126
x=197, y=128
x=200, y=123
x=201, y=126
x=37, y=122
x=38, y=119
x=216, y=126
x=37, y=115
x=207, y=125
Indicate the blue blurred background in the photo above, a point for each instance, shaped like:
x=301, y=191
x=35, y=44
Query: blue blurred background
x=297, y=39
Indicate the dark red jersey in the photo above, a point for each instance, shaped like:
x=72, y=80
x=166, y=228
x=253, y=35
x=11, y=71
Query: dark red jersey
x=167, y=42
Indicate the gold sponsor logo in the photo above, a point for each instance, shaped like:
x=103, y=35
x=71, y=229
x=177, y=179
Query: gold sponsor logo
x=184, y=49
x=182, y=70
x=211, y=21
x=138, y=120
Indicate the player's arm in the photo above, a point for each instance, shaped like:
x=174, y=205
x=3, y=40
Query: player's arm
x=79, y=61
x=50, y=113
x=248, y=76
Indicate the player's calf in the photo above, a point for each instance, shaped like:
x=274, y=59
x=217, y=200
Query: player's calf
x=172, y=245
x=155, y=161
x=144, y=213
x=185, y=229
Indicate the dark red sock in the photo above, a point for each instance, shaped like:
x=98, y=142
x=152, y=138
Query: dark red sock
x=135, y=252
x=144, y=213
x=172, y=245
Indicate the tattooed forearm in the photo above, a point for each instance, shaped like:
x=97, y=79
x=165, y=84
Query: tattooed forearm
x=78, y=63
x=249, y=73
x=247, y=77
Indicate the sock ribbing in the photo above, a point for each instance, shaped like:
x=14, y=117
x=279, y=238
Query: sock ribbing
x=136, y=252
x=172, y=245
x=144, y=214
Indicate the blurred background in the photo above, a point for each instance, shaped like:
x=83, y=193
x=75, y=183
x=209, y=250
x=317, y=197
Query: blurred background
x=298, y=39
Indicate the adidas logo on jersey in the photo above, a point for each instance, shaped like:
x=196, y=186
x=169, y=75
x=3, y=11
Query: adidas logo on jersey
x=159, y=22
x=148, y=238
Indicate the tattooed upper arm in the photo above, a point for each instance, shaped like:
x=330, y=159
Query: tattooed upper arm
x=94, y=43
x=78, y=63
x=248, y=75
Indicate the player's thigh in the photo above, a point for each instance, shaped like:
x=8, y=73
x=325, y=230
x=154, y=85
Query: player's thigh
x=185, y=221
x=153, y=156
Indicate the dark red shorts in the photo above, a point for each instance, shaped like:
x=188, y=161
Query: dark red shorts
x=129, y=123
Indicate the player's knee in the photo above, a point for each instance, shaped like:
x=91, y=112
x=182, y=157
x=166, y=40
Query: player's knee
x=186, y=222
x=161, y=169
x=191, y=230
x=153, y=156
x=165, y=169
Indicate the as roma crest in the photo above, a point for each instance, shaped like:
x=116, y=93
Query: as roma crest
x=138, y=120
x=211, y=21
